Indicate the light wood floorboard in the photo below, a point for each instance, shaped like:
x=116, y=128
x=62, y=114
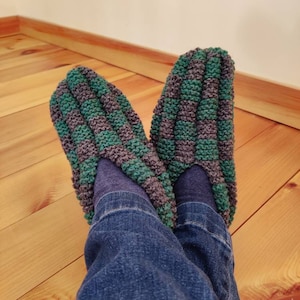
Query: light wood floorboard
x=42, y=231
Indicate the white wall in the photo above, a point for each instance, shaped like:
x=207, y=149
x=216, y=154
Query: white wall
x=7, y=8
x=263, y=36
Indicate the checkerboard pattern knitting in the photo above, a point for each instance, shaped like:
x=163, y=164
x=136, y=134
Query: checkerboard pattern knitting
x=93, y=120
x=193, y=122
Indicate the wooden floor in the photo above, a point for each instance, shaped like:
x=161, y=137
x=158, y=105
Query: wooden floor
x=42, y=232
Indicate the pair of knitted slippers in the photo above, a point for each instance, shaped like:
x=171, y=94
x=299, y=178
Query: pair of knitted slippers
x=192, y=124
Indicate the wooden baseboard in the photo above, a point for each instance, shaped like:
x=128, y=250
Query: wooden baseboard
x=271, y=100
x=267, y=99
x=9, y=25
x=150, y=63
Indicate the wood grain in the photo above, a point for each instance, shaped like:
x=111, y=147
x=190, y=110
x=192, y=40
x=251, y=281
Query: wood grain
x=72, y=277
x=21, y=196
x=267, y=248
x=267, y=99
x=14, y=45
x=263, y=166
x=247, y=126
x=39, y=246
x=37, y=88
x=18, y=67
x=9, y=25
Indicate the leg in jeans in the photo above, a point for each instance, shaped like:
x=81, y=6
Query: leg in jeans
x=207, y=243
x=202, y=231
x=130, y=254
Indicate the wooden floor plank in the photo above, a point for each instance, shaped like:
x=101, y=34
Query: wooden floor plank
x=39, y=246
x=136, y=85
x=20, y=94
x=16, y=54
x=247, y=126
x=263, y=166
x=11, y=46
x=33, y=188
x=72, y=277
x=267, y=248
x=37, y=62
x=28, y=150
x=27, y=121
x=9, y=64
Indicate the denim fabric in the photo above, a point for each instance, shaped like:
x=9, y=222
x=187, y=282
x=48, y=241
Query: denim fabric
x=130, y=254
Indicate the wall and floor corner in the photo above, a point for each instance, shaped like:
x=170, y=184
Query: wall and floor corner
x=262, y=37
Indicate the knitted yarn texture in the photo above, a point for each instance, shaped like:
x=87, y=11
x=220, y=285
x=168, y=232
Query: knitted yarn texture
x=193, y=122
x=94, y=119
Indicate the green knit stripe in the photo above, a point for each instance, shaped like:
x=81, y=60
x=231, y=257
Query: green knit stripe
x=89, y=217
x=207, y=109
x=213, y=68
x=207, y=150
x=164, y=178
x=99, y=86
x=137, y=170
x=166, y=215
x=181, y=65
x=117, y=119
x=91, y=109
x=88, y=169
x=136, y=146
x=107, y=138
x=156, y=120
x=61, y=128
x=225, y=91
x=221, y=196
x=73, y=159
x=225, y=130
x=184, y=131
x=139, y=132
x=81, y=133
x=228, y=169
x=171, y=107
x=166, y=149
x=191, y=90
x=67, y=104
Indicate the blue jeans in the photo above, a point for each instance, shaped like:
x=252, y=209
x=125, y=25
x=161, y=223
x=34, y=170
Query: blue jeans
x=130, y=254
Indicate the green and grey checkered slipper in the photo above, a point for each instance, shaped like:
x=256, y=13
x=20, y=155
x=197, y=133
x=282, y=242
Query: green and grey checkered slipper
x=193, y=122
x=94, y=120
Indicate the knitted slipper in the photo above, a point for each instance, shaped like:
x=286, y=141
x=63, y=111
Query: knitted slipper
x=185, y=123
x=93, y=125
x=128, y=126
